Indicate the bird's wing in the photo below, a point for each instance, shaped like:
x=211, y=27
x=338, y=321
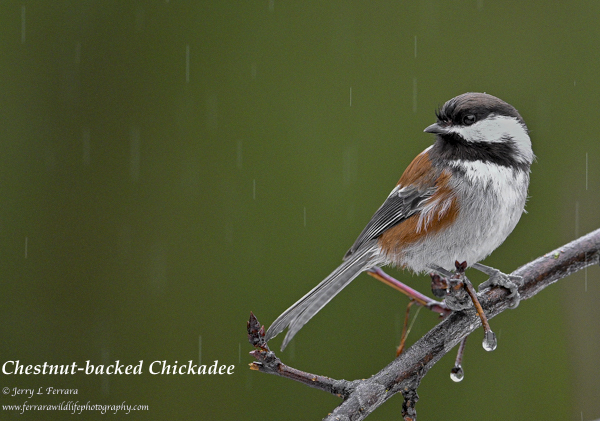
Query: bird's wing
x=402, y=203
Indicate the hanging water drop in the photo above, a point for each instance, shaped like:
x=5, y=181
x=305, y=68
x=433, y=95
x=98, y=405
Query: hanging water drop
x=457, y=373
x=489, y=341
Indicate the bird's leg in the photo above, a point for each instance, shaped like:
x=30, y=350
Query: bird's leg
x=439, y=307
x=497, y=278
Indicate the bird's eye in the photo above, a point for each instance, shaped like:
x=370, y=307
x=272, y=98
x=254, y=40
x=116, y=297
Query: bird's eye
x=469, y=119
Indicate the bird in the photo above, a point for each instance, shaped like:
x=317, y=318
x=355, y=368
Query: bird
x=457, y=201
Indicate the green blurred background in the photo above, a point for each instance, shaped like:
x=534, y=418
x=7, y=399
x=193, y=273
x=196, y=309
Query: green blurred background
x=168, y=166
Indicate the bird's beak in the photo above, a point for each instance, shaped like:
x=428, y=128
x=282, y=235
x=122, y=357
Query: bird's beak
x=436, y=128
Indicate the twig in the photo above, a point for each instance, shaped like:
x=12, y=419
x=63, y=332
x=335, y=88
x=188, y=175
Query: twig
x=405, y=328
x=268, y=362
x=404, y=374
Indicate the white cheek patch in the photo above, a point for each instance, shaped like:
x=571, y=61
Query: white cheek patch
x=496, y=129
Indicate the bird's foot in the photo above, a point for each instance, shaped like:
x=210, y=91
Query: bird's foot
x=497, y=278
x=450, y=286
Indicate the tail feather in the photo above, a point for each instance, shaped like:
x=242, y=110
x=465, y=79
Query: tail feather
x=306, y=307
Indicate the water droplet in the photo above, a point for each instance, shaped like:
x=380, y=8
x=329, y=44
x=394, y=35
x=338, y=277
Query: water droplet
x=489, y=341
x=457, y=374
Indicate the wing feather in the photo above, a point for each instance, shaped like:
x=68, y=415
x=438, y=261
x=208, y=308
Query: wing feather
x=401, y=204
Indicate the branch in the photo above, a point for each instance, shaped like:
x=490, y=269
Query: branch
x=404, y=374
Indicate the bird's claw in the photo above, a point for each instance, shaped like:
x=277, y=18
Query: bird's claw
x=450, y=287
x=510, y=282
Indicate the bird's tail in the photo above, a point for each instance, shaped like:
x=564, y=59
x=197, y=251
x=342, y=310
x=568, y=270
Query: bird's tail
x=306, y=307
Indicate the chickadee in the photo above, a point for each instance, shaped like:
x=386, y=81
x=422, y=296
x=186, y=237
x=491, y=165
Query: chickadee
x=457, y=201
